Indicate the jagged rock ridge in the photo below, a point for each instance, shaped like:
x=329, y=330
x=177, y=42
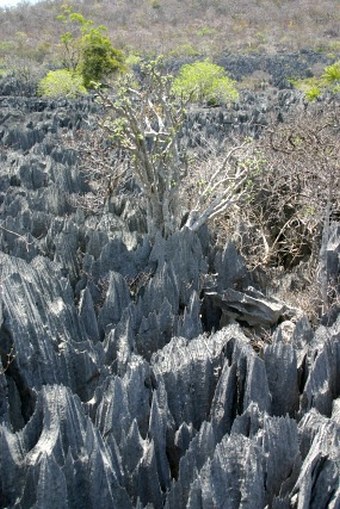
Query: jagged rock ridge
x=125, y=382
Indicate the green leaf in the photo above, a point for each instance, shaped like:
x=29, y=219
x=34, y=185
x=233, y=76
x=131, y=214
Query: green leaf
x=204, y=81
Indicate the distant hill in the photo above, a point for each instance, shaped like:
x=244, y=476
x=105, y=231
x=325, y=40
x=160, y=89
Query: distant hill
x=180, y=28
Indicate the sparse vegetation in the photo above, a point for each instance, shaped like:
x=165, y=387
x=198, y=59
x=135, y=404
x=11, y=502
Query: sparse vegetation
x=293, y=190
x=297, y=175
x=314, y=87
x=267, y=25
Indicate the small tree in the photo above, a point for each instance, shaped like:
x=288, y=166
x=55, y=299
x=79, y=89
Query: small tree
x=99, y=59
x=87, y=49
x=145, y=117
x=205, y=82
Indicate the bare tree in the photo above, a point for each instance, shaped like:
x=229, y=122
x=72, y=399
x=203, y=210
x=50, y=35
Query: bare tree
x=222, y=187
x=145, y=118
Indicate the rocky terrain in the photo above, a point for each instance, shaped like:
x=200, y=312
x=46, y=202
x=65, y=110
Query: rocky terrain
x=130, y=376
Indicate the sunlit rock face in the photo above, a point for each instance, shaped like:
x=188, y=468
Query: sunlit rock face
x=129, y=375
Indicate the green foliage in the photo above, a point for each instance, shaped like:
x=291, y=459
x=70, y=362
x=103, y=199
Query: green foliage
x=331, y=76
x=132, y=59
x=185, y=49
x=309, y=86
x=313, y=93
x=99, y=58
x=314, y=87
x=88, y=49
x=155, y=4
x=6, y=47
x=206, y=31
x=205, y=82
x=61, y=83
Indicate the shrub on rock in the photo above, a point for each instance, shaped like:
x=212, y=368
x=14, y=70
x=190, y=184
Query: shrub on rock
x=205, y=82
x=329, y=81
x=62, y=83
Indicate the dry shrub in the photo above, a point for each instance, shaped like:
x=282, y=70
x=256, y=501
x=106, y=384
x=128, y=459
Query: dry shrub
x=161, y=26
x=212, y=169
x=281, y=224
x=294, y=174
x=100, y=165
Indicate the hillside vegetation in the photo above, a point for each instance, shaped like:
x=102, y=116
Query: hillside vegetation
x=191, y=27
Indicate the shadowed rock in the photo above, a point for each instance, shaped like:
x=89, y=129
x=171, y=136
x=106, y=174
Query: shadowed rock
x=54, y=453
x=282, y=383
x=323, y=381
x=318, y=482
x=250, y=307
x=41, y=325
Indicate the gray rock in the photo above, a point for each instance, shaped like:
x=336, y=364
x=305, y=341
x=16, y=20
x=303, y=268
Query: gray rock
x=201, y=448
x=230, y=479
x=158, y=429
x=60, y=448
x=117, y=298
x=41, y=325
x=116, y=391
x=146, y=478
x=282, y=375
x=250, y=307
x=189, y=370
x=87, y=315
x=230, y=269
x=184, y=251
x=323, y=382
x=318, y=482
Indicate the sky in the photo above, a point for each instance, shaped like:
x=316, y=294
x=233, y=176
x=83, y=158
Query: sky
x=12, y=3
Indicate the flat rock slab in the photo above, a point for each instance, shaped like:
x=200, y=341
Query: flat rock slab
x=250, y=307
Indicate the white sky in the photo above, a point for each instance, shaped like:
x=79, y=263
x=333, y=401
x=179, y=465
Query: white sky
x=12, y=3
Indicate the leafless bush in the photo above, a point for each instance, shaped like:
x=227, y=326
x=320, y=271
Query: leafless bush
x=281, y=223
x=101, y=166
x=295, y=174
x=216, y=181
